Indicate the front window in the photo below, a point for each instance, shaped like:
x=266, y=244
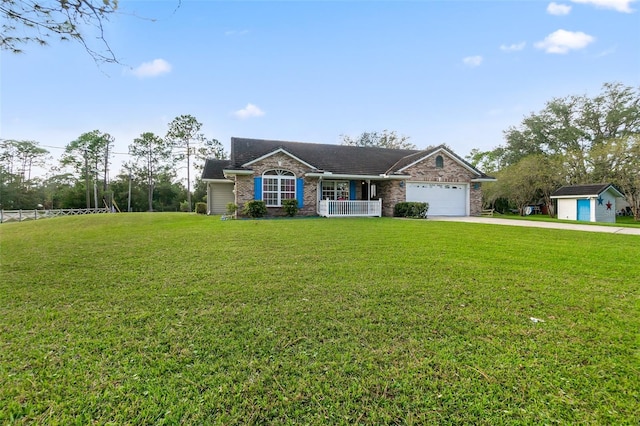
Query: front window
x=335, y=189
x=278, y=185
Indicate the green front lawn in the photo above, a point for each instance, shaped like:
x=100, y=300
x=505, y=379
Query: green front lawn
x=621, y=221
x=176, y=318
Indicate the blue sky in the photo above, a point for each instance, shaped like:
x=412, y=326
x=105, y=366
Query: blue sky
x=454, y=72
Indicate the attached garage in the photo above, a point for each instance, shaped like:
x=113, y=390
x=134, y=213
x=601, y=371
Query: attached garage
x=445, y=199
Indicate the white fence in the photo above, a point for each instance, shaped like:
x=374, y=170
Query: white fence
x=349, y=208
x=22, y=215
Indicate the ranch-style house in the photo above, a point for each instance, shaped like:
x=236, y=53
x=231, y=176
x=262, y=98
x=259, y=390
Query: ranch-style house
x=338, y=180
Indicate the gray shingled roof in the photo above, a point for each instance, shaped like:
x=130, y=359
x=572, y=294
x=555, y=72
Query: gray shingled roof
x=337, y=159
x=213, y=168
x=584, y=190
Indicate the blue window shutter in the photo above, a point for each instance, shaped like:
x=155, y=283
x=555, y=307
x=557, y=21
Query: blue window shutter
x=257, y=188
x=300, y=192
x=352, y=189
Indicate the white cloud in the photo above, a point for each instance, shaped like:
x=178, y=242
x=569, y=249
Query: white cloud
x=558, y=9
x=152, y=69
x=562, y=41
x=513, y=47
x=472, y=61
x=618, y=5
x=248, y=112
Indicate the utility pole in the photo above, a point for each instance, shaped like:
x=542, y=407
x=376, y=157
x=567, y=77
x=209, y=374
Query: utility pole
x=86, y=178
x=129, y=200
x=106, y=166
x=150, y=179
x=188, y=177
x=95, y=190
x=106, y=176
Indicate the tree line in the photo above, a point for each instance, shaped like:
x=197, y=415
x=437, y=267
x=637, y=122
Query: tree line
x=572, y=140
x=81, y=178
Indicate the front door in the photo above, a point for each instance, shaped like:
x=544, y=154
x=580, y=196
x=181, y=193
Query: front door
x=368, y=191
x=364, y=190
x=584, y=210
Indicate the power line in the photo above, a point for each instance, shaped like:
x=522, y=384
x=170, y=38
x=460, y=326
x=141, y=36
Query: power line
x=57, y=147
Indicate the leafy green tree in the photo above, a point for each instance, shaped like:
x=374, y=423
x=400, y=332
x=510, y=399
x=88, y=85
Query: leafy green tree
x=576, y=139
x=488, y=161
x=185, y=137
x=89, y=157
x=516, y=184
x=570, y=127
x=384, y=139
x=37, y=21
x=120, y=187
x=622, y=157
x=211, y=148
x=18, y=189
x=169, y=194
x=20, y=157
x=63, y=191
x=150, y=154
x=200, y=191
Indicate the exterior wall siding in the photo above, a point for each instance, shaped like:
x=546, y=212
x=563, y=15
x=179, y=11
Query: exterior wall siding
x=218, y=196
x=603, y=214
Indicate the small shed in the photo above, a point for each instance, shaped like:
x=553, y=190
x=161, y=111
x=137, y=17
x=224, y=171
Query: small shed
x=589, y=203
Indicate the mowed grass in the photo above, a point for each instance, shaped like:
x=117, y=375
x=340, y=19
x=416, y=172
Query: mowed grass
x=176, y=318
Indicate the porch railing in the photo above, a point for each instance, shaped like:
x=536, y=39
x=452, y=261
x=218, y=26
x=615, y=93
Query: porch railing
x=345, y=208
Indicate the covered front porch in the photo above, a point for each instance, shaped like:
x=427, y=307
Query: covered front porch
x=350, y=208
x=350, y=195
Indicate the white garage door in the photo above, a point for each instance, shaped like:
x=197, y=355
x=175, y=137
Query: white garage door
x=445, y=199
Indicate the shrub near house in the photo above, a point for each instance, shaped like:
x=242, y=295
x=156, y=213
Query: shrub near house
x=411, y=209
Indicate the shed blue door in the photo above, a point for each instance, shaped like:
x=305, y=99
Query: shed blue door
x=584, y=210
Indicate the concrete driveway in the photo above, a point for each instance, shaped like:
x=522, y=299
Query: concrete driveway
x=536, y=224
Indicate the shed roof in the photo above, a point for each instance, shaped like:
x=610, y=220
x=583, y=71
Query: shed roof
x=584, y=190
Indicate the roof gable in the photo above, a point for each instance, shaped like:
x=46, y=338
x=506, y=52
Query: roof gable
x=584, y=190
x=277, y=151
x=418, y=157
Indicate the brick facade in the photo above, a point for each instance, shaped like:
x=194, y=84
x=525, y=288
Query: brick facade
x=391, y=191
x=245, y=191
x=451, y=171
